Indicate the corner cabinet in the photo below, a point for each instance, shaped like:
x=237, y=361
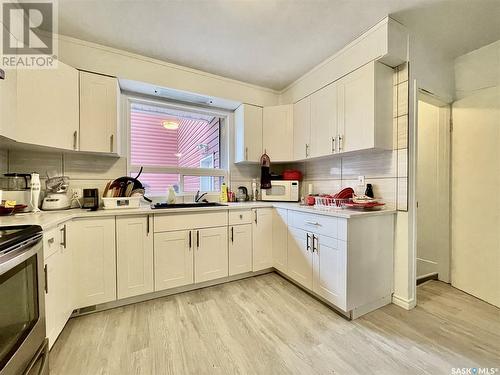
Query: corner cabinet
x=262, y=234
x=94, y=260
x=364, y=109
x=48, y=107
x=277, y=126
x=248, y=133
x=99, y=101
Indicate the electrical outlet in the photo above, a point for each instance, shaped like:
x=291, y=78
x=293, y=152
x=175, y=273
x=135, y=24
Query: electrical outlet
x=361, y=180
x=77, y=193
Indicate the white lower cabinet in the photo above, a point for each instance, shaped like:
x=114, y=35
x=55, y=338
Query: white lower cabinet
x=300, y=257
x=240, y=249
x=58, y=282
x=94, y=259
x=329, y=269
x=134, y=256
x=173, y=259
x=211, y=254
x=280, y=239
x=262, y=234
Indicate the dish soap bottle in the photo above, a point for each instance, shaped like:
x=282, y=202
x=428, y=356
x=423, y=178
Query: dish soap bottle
x=223, y=193
x=171, y=195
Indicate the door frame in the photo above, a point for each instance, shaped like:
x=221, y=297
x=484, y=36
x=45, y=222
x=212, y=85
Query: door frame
x=444, y=181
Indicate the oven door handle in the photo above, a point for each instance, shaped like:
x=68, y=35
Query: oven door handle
x=20, y=253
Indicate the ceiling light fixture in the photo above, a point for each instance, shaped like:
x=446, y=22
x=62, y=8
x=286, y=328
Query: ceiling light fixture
x=170, y=125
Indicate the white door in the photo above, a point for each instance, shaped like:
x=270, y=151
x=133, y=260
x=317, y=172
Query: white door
x=262, y=234
x=98, y=113
x=173, y=259
x=94, y=260
x=300, y=257
x=134, y=255
x=211, y=254
x=301, y=128
x=278, y=132
x=55, y=296
x=324, y=121
x=280, y=237
x=240, y=249
x=248, y=133
x=47, y=107
x=356, y=108
x=329, y=275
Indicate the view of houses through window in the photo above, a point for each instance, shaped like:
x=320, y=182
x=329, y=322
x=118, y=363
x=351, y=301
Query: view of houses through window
x=175, y=148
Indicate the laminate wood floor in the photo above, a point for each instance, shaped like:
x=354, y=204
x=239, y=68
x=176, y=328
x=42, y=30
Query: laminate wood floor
x=266, y=325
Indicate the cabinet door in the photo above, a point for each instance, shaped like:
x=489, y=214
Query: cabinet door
x=8, y=101
x=173, y=259
x=98, y=113
x=67, y=249
x=54, y=297
x=323, y=121
x=240, y=249
x=134, y=256
x=330, y=266
x=301, y=128
x=300, y=257
x=280, y=238
x=356, y=107
x=277, y=135
x=47, y=107
x=211, y=255
x=94, y=259
x=248, y=134
x=262, y=233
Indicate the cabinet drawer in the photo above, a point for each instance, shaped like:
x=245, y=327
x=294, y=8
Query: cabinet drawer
x=181, y=221
x=240, y=217
x=50, y=242
x=320, y=224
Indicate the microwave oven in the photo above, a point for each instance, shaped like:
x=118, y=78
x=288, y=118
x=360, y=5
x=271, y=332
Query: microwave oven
x=282, y=191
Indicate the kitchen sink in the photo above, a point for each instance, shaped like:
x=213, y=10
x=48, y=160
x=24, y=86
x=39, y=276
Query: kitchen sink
x=163, y=205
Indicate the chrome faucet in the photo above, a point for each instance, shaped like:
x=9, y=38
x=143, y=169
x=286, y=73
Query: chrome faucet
x=198, y=197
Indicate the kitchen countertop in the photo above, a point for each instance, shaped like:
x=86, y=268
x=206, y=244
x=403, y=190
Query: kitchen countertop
x=47, y=219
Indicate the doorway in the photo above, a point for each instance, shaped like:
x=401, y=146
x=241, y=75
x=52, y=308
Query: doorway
x=433, y=189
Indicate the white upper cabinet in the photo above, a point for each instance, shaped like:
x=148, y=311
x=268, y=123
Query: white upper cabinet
x=8, y=101
x=278, y=132
x=134, y=255
x=323, y=121
x=47, y=107
x=301, y=128
x=248, y=133
x=365, y=109
x=99, y=98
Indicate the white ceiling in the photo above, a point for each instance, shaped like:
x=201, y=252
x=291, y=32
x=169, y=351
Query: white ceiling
x=268, y=42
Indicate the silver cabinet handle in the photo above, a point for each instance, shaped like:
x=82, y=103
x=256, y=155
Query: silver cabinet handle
x=46, y=279
x=75, y=140
x=308, y=246
x=63, y=230
x=111, y=142
x=255, y=216
x=333, y=145
x=307, y=150
x=198, y=239
x=340, y=143
x=314, y=243
x=312, y=223
x=147, y=225
x=246, y=153
x=190, y=241
x=232, y=234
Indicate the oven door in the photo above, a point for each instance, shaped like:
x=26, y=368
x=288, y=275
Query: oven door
x=279, y=191
x=22, y=307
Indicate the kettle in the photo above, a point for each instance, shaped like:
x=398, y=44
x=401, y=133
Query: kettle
x=242, y=194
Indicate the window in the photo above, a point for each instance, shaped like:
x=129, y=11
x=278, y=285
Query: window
x=176, y=147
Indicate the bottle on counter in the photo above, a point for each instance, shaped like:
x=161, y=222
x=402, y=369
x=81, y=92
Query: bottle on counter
x=171, y=195
x=255, y=192
x=369, y=191
x=223, y=193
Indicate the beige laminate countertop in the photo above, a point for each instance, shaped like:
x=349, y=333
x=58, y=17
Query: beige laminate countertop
x=50, y=219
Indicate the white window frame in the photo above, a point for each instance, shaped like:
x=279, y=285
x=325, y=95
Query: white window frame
x=222, y=171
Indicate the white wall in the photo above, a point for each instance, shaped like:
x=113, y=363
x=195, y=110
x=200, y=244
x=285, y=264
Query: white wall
x=476, y=178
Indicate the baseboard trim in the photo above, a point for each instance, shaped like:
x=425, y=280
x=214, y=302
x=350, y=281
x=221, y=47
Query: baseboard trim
x=404, y=303
x=431, y=276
